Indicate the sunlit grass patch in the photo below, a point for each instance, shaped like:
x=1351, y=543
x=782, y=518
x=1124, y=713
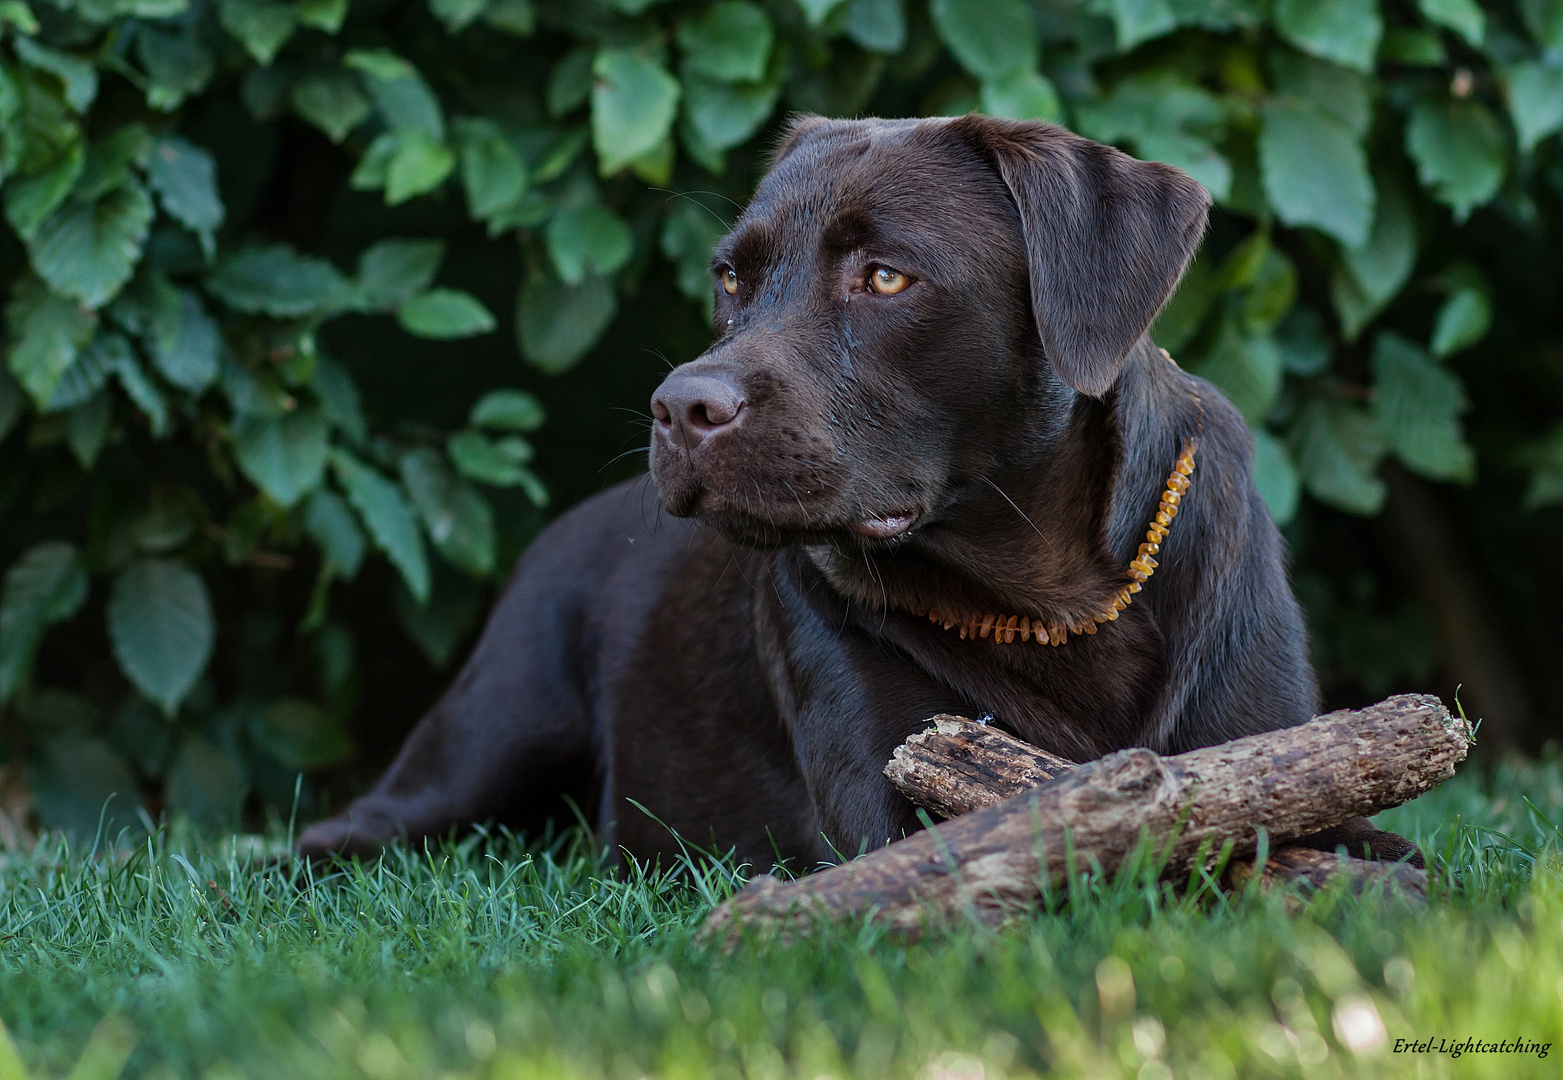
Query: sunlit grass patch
x=491, y=959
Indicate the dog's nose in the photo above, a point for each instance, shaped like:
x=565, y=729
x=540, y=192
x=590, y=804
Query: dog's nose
x=692, y=408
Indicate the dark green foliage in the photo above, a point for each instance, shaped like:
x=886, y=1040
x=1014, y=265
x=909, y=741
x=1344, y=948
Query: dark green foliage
x=228, y=463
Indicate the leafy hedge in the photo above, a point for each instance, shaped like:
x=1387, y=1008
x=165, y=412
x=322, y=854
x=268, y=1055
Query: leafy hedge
x=177, y=423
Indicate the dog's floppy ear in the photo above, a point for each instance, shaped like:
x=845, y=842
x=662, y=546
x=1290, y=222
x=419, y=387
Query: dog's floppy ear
x=1106, y=236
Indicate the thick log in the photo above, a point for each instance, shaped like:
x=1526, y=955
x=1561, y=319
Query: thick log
x=959, y=765
x=992, y=861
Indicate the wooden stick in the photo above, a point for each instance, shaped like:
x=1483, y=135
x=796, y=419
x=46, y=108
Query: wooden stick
x=992, y=862
x=959, y=765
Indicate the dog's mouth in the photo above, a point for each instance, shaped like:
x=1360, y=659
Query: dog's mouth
x=773, y=527
x=885, y=527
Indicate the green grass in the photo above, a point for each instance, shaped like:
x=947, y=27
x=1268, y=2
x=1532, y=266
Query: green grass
x=489, y=959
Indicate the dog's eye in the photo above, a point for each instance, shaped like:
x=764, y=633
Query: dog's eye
x=887, y=282
x=730, y=281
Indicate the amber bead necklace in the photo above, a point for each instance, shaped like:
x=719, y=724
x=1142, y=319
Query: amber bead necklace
x=1004, y=628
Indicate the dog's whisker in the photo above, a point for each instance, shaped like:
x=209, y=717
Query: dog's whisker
x=1018, y=510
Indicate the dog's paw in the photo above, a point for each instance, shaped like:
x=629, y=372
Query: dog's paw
x=1363, y=840
x=351, y=833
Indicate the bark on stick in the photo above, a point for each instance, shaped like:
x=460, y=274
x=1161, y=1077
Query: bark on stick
x=959, y=765
x=991, y=862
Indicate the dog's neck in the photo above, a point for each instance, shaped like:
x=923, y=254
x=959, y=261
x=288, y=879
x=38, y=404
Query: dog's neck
x=1047, y=520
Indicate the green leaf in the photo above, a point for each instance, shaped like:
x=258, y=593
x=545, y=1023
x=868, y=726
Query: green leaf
x=46, y=332
x=388, y=517
x=110, y=159
x=1342, y=93
x=1415, y=48
x=300, y=734
x=275, y=281
x=206, y=785
x=80, y=784
x=1024, y=95
x=324, y=15
x=285, y=455
x=557, y=324
x=992, y=40
x=817, y=11
x=726, y=116
x=376, y=162
x=79, y=77
x=877, y=25
x=1459, y=152
x=1464, y=17
x=330, y=524
x=29, y=202
x=392, y=272
x=1544, y=20
x=185, y=179
x=457, y=518
x=1463, y=320
x=1246, y=369
x=490, y=461
x=1337, y=449
x=1345, y=31
x=507, y=410
x=87, y=428
x=634, y=102
x=730, y=41
x=83, y=379
x=1305, y=348
x=511, y=16
x=1270, y=293
x=1141, y=20
x=333, y=101
x=1166, y=119
x=689, y=234
x=47, y=585
x=177, y=64
x=138, y=386
x=160, y=626
x=184, y=341
x=339, y=400
x=493, y=173
x=19, y=15
x=1372, y=274
x=457, y=15
x=261, y=26
x=1418, y=411
x=445, y=314
x=588, y=238
x=419, y=165
x=1315, y=171
x=1185, y=313
x=1276, y=477
x=382, y=65
x=88, y=250
x=571, y=81
x=400, y=93
x=1545, y=458
x=1535, y=93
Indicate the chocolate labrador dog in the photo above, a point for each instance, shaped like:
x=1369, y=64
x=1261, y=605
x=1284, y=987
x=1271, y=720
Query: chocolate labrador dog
x=930, y=464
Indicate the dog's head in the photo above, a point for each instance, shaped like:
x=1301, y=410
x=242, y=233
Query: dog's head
x=899, y=298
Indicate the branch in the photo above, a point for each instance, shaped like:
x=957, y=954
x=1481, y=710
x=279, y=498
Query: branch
x=992, y=862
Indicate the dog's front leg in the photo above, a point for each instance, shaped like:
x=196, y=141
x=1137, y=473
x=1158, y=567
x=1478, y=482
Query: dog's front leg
x=848, y=700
